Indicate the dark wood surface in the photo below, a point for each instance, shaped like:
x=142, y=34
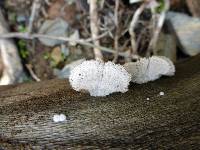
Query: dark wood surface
x=123, y=121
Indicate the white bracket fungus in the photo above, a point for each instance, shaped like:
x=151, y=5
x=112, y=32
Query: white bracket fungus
x=150, y=69
x=99, y=79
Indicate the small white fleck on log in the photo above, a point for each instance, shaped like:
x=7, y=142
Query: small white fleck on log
x=59, y=118
x=56, y=118
x=62, y=117
x=161, y=93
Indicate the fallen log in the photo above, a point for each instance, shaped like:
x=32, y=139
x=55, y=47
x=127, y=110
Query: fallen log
x=123, y=121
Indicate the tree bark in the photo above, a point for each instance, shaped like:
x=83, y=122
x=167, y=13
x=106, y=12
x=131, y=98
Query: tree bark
x=123, y=121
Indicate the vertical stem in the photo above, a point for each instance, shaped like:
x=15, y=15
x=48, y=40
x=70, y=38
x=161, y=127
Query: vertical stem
x=116, y=42
x=35, y=7
x=95, y=28
x=133, y=24
x=159, y=25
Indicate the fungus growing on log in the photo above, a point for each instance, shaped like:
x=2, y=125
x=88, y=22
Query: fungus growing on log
x=99, y=78
x=150, y=69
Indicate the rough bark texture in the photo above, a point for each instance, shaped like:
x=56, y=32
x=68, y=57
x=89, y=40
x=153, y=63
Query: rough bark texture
x=128, y=120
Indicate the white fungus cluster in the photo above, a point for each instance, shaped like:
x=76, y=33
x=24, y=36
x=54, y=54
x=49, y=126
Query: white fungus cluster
x=59, y=118
x=150, y=69
x=99, y=79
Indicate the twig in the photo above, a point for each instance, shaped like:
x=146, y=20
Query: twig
x=159, y=26
x=142, y=34
x=26, y=35
x=29, y=67
x=48, y=2
x=97, y=38
x=116, y=20
x=44, y=13
x=102, y=4
x=35, y=7
x=95, y=28
x=133, y=24
x=80, y=41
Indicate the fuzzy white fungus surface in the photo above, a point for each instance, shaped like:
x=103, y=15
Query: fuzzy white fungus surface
x=150, y=69
x=99, y=79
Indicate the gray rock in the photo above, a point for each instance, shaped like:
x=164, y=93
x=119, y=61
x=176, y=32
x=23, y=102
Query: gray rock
x=187, y=31
x=57, y=28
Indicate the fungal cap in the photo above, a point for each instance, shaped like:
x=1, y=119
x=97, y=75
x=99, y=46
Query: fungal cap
x=150, y=69
x=99, y=79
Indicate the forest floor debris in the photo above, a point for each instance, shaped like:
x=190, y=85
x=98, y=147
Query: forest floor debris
x=26, y=20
